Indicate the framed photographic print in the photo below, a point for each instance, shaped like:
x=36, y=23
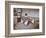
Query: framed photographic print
x=24, y=19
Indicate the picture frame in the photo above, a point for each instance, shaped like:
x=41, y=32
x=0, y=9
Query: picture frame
x=10, y=6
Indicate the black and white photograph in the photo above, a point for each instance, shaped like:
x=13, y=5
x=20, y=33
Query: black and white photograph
x=25, y=18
